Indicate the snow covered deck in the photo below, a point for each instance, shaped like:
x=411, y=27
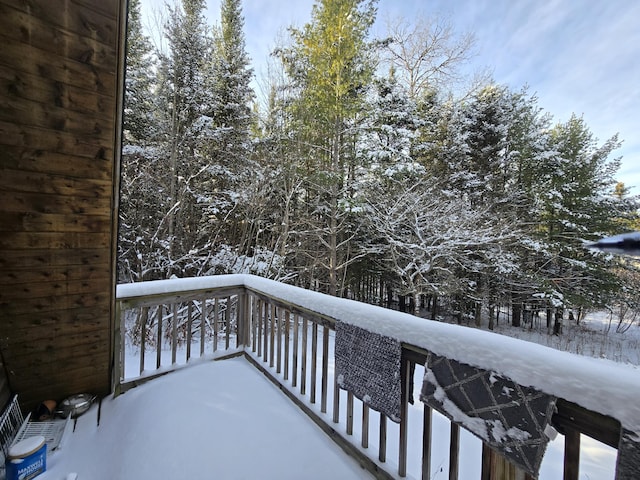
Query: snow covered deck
x=290, y=334
x=219, y=419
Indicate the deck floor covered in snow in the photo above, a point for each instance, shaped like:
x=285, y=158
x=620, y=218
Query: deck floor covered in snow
x=220, y=419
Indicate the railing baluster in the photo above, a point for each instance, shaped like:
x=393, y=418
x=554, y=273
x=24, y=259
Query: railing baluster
x=314, y=360
x=243, y=320
x=279, y=342
x=405, y=378
x=426, y=442
x=287, y=321
x=294, y=366
x=118, y=367
x=303, y=367
x=216, y=323
x=203, y=323
x=143, y=336
x=349, y=413
x=227, y=324
x=454, y=451
x=272, y=336
x=265, y=346
x=261, y=307
x=365, y=426
x=325, y=369
x=189, y=323
x=496, y=467
x=336, y=399
x=255, y=315
x=382, y=450
x=159, y=337
x=174, y=333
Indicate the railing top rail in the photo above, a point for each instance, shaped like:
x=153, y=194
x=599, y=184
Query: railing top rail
x=599, y=385
x=158, y=288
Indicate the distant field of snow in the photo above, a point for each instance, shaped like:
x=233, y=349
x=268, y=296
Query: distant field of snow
x=595, y=337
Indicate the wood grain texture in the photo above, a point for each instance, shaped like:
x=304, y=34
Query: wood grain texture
x=97, y=167
x=60, y=73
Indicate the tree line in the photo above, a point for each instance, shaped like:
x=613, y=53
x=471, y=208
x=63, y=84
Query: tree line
x=369, y=170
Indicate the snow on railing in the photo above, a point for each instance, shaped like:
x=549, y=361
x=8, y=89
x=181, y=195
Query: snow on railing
x=288, y=332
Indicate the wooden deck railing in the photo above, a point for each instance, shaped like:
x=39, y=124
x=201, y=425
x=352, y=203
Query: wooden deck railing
x=293, y=346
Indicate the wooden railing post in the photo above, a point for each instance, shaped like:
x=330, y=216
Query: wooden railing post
x=497, y=467
x=117, y=373
x=571, y=454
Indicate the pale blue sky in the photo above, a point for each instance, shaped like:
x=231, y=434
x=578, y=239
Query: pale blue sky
x=578, y=56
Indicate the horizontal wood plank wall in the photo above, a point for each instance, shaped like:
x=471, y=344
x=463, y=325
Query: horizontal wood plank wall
x=59, y=96
x=5, y=388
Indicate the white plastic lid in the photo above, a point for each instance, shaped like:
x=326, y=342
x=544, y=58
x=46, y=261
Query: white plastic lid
x=26, y=447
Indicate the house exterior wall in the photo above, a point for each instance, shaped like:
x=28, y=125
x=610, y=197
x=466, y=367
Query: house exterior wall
x=60, y=95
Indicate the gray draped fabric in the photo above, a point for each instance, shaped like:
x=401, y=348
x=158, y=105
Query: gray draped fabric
x=628, y=464
x=510, y=418
x=368, y=365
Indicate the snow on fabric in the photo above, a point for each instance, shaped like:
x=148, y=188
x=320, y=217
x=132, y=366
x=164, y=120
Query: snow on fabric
x=510, y=418
x=628, y=463
x=368, y=365
x=596, y=384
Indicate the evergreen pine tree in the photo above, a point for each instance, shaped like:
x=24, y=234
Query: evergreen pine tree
x=139, y=81
x=227, y=139
x=183, y=104
x=330, y=68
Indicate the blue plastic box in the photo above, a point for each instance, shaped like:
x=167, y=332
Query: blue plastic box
x=27, y=459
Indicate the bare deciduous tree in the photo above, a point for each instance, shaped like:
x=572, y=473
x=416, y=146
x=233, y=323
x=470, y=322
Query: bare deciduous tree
x=426, y=55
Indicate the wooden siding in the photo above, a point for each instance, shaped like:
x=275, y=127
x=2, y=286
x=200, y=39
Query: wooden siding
x=60, y=95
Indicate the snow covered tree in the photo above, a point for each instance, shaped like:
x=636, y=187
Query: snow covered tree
x=226, y=137
x=389, y=132
x=139, y=108
x=577, y=203
x=144, y=188
x=435, y=241
x=475, y=146
x=426, y=54
x=330, y=67
x=184, y=102
x=141, y=197
x=384, y=155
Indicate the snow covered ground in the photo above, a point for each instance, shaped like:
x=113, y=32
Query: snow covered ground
x=597, y=336
x=215, y=420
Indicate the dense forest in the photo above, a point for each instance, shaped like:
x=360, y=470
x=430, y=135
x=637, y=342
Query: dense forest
x=370, y=169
